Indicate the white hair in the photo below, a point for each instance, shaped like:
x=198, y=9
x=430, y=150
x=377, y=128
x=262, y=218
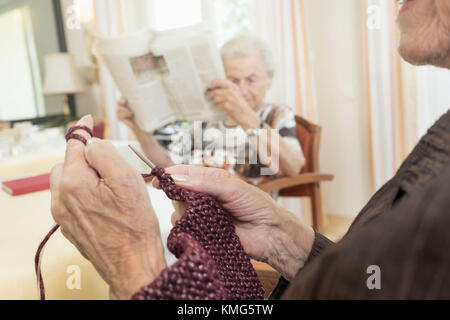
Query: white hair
x=246, y=46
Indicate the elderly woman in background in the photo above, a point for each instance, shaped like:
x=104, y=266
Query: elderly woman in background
x=397, y=248
x=249, y=68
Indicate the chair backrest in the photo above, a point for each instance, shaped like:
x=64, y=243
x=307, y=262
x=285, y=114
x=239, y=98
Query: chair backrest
x=99, y=129
x=308, y=135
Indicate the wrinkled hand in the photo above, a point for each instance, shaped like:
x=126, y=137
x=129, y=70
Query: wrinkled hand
x=227, y=96
x=255, y=214
x=267, y=232
x=110, y=221
x=126, y=115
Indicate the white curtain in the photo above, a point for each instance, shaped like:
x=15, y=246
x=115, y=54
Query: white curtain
x=404, y=101
x=379, y=60
x=433, y=96
x=281, y=25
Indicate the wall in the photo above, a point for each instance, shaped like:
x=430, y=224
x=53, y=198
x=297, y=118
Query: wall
x=45, y=37
x=335, y=40
x=88, y=102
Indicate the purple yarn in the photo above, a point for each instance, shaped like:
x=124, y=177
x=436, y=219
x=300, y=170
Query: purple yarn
x=212, y=263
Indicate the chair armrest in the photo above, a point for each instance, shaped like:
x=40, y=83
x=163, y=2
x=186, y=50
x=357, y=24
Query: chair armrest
x=267, y=275
x=287, y=182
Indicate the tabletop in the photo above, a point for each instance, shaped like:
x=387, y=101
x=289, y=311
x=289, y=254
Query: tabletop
x=26, y=219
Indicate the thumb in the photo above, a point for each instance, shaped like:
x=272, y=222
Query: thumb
x=223, y=189
x=104, y=157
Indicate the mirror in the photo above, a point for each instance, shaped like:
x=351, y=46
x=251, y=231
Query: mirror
x=29, y=30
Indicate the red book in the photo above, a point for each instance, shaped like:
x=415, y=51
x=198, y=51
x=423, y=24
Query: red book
x=26, y=185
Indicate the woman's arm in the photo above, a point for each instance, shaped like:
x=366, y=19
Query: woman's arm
x=152, y=149
x=290, y=244
x=228, y=98
x=271, y=146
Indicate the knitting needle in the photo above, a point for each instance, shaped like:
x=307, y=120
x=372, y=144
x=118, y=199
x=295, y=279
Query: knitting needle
x=142, y=157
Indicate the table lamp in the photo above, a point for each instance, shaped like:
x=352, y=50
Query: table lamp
x=62, y=77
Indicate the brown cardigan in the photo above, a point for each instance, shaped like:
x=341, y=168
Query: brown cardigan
x=404, y=230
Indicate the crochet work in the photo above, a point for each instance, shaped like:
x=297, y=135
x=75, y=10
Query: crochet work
x=211, y=261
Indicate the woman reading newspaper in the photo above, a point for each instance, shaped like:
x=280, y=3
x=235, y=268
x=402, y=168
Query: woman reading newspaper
x=260, y=138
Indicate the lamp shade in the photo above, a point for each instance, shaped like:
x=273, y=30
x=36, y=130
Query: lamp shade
x=61, y=75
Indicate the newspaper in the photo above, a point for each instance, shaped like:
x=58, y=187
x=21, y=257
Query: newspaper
x=165, y=74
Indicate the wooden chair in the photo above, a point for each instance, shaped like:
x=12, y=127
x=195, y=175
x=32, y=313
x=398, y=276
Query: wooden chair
x=101, y=128
x=307, y=183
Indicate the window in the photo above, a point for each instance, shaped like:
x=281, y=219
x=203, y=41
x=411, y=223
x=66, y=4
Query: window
x=170, y=14
x=232, y=17
x=19, y=80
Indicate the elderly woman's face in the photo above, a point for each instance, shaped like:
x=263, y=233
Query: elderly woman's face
x=425, y=32
x=249, y=74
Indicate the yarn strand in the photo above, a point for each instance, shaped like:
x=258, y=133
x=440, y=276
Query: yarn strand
x=38, y=259
x=39, y=253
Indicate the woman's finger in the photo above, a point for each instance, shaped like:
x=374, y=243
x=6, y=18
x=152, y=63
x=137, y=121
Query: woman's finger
x=175, y=217
x=123, y=102
x=75, y=148
x=125, y=111
x=220, y=188
x=179, y=206
x=192, y=170
x=219, y=98
x=55, y=179
x=219, y=93
x=182, y=172
x=220, y=83
x=104, y=157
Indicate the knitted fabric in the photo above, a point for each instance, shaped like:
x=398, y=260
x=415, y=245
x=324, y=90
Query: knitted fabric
x=211, y=261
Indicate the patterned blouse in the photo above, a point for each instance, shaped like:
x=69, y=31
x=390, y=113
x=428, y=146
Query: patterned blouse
x=215, y=144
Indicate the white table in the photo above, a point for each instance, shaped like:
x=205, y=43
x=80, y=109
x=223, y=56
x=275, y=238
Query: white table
x=26, y=219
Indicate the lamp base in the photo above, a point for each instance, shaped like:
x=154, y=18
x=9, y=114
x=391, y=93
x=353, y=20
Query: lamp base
x=66, y=107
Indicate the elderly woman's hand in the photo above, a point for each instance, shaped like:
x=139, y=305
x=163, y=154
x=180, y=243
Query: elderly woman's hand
x=109, y=219
x=267, y=232
x=126, y=115
x=227, y=96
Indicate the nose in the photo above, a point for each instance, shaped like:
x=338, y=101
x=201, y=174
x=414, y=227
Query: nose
x=244, y=89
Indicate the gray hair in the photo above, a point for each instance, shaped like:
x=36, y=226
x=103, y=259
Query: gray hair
x=246, y=46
